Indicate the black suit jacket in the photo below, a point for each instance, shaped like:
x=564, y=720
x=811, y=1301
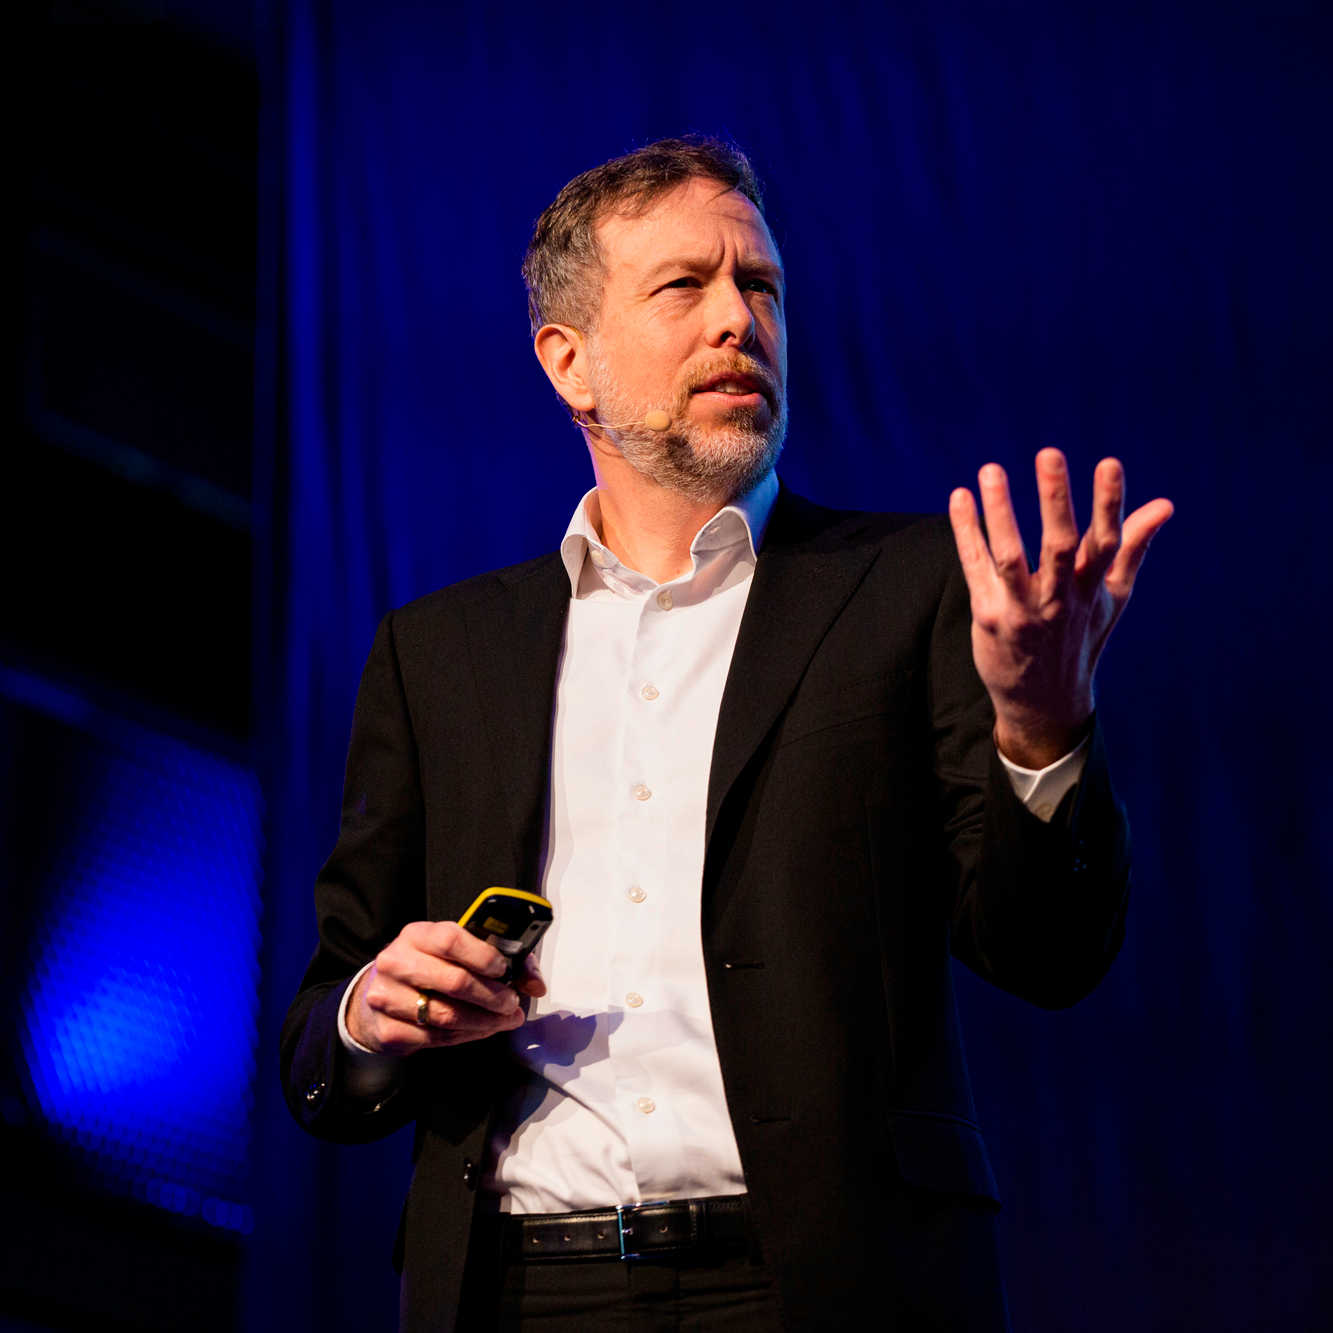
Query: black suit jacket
x=859, y=829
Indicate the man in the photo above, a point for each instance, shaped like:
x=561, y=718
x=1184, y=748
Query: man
x=743, y=745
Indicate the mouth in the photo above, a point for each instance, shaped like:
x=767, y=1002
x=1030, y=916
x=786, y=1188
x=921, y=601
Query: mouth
x=739, y=388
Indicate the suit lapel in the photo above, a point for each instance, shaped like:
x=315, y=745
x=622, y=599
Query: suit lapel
x=515, y=641
x=807, y=569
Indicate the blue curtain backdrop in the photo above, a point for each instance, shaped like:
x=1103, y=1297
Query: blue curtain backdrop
x=1004, y=227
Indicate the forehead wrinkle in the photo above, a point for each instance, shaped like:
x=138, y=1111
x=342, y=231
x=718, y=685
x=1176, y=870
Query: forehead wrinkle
x=750, y=261
x=748, y=266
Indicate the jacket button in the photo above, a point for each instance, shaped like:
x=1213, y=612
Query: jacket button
x=470, y=1174
x=314, y=1093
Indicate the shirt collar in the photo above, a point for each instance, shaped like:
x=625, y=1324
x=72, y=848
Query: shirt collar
x=742, y=523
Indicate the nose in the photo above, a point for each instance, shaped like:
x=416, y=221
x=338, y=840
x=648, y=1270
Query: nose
x=730, y=319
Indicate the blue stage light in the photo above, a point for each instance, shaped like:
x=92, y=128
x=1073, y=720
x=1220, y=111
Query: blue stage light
x=139, y=1021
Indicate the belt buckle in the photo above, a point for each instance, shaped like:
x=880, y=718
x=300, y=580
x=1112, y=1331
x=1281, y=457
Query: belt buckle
x=625, y=1219
x=625, y=1231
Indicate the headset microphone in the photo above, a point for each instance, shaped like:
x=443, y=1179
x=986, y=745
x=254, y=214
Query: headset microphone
x=655, y=419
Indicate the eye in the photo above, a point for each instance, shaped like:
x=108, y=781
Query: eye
x=681, y=282
x=760, y=285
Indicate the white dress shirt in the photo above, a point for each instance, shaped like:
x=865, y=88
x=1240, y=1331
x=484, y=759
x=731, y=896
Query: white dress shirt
x=624, y=1101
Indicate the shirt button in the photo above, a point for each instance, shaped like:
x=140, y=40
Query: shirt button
x=634, y=999
x=635, y=894
x=646, y=1105
x=649, y=692
x=1043, y=810
x=598, y=557
x=664, y=599
x=640, y=792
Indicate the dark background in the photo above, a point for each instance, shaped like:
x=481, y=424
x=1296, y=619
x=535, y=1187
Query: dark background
x=276, y=380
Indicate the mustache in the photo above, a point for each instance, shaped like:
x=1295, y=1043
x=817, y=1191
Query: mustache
x=738, y=364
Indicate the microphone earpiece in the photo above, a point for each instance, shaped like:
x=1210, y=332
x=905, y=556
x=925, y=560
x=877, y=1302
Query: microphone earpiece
x=654, y=419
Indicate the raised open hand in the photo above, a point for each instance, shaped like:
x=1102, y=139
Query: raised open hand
x=1037, y=634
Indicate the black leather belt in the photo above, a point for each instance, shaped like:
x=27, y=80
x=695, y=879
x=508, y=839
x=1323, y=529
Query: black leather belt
x=634, y=1231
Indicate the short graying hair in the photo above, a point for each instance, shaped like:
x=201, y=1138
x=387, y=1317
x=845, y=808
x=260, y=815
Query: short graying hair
x=563, y=265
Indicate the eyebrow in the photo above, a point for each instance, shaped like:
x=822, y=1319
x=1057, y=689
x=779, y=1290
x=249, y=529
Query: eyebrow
x=750, y=267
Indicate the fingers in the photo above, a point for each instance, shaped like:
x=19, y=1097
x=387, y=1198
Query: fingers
x=1139, y=529
x=1112, y=548
x=531, y=981
x=989, y=567
x=455, y=971
x=447, y=939
x=398, y=1022
x=448, y=1021
x=1102, y=540
x=441, y=956
x=973, y=553
x=1059, y=530
x=1006, y=545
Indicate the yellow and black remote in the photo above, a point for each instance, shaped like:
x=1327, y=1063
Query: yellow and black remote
x=509, y=919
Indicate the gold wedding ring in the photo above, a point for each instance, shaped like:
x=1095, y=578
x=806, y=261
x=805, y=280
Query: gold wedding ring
x=423, y=1007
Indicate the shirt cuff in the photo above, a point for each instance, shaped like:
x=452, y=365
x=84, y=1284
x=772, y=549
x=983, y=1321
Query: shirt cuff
x=1042, y=789
x=366, y=1073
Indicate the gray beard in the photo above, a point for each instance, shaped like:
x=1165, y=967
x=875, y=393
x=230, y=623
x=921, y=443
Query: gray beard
x=704, y=463
x=713, y=463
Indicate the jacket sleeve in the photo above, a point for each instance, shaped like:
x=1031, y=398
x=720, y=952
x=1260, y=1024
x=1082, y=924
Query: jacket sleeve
x=1038, y=908
x=372, y=885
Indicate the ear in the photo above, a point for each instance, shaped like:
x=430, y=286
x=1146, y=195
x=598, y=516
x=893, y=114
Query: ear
x=563, y=353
